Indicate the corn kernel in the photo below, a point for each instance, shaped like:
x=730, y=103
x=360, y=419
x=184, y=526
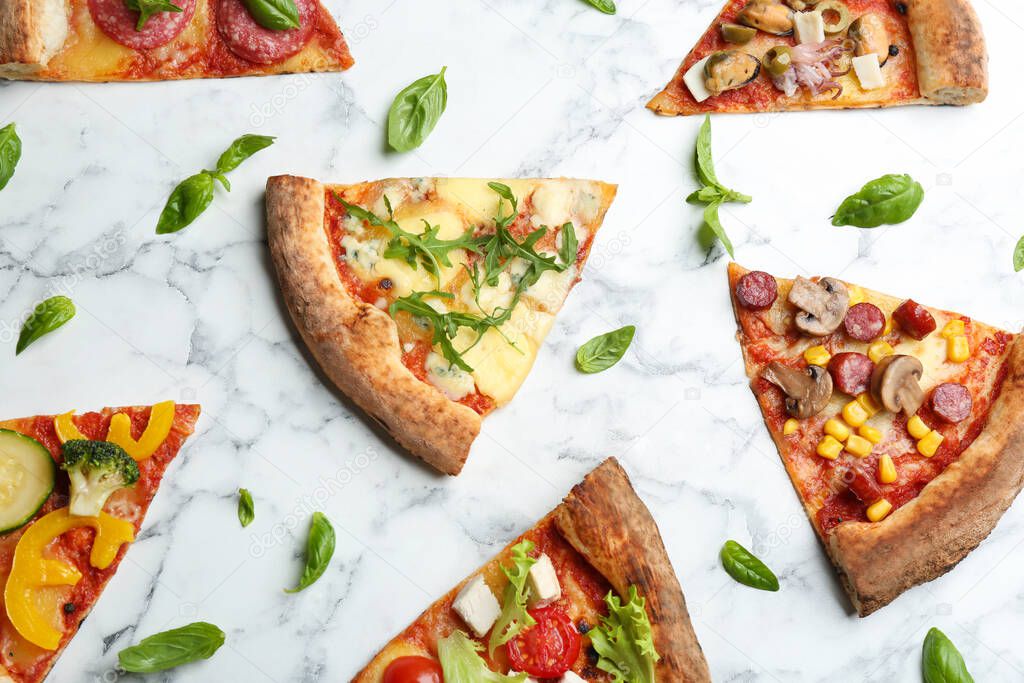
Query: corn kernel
x=829, y=447
x=886, y=469
x=917, y=427
x=929, y=443
x=953, y=328
x=879, y=350
x=858, y=445
x=856, y=295
x=870, y=433
x=817, y=355
x=855, y=414
x=957, y=349
x=791, y=425
x=869, y=404
x=888, y=326
x=879, y=510
x=837, y=429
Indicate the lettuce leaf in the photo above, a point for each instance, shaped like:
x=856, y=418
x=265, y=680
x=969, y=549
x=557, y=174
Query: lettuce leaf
x=514, y=617
x=461, y=662
x=623, y=640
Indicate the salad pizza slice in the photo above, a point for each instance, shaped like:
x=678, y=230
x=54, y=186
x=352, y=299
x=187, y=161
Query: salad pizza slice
x=74, y=490
x=426, y=300
x=587, y=594
x=901, y=426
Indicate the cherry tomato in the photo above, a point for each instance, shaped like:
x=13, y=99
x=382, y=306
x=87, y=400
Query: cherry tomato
x=548, y=648
x=413, y=670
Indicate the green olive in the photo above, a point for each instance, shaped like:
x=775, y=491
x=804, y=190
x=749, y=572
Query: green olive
x=778, y=60
x=737, y=34
x=835, y=14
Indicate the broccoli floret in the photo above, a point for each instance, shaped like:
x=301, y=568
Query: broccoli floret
x=96, y=470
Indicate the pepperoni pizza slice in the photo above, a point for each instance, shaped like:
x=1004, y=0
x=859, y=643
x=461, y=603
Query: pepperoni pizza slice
x=775, y=55
x=587, y=594
x=74, y=490
x=426, y=300
x=156, y=40
x=901, y=425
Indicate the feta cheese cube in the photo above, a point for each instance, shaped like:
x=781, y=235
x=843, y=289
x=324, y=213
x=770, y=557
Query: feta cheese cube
x=570, y=677
x=694, y=80
x=543, y=582
x=868, y=71
x=477, y=606
x=809, y=27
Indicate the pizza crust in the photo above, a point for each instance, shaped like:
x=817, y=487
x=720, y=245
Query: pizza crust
x=355, y=343
x=952, y=63
x=31, y=32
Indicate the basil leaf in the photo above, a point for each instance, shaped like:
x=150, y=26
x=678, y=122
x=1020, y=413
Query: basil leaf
x=886, y=200
x=514, y=617
x=242, y=148
x=10, y=153
x=712, y=221
x=416, y=110
x=606, y=6
x=187, y=201
x=276, y=15
x=604, y=351
x=743, y=566
x=172, y=648
x=705, y=164
x=941, y=662
x=1018, y=255
x=461, y=662
x=570, y=246
x=319, y=550
x=623, y=640
x=246, y=508
x=713, y=193
x=147, y=8
x=47, y=317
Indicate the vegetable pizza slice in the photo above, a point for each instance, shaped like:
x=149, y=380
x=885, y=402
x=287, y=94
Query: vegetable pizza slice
x=901, y=425
x=426, y=300
x=74, y=490
x=587, y=594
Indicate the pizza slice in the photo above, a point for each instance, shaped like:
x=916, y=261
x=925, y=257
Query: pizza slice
x=426, y=300
x=132, y=40
x=901, y=425
x=74, y=490
x=587, y=594
x=770, y=55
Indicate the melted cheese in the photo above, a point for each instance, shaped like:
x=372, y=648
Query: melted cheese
x=454, y=382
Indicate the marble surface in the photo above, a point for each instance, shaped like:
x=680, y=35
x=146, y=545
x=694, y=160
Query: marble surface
x=536, y=87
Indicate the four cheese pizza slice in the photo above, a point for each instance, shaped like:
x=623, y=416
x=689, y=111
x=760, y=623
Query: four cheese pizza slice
x=770, y=55
x=901, y=426
x=74, y=490
x=426, y=300
x=587, y=594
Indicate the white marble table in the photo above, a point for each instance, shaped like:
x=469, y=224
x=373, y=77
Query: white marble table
x=536, y=87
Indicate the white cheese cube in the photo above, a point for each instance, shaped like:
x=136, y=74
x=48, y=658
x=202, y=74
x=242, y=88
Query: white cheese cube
x=809, y=27
x=694, y=80
x=868, y=71
x=477, y=606
x=570, y=677
x=543, y=582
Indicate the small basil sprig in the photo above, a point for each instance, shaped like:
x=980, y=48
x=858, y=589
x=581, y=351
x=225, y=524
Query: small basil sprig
x=604, y=351
x=246, y=508
x=743, y=565
x=194, y=194
x=883, y=201
x=712, y=193
x=606, y=6
x=47, y=317
x=172, y=648
x=147, y=8
x=319, y=550
x=276, y=15
x=941, y=662
x=10, y=153
x=416, y=110
x=1018, y=255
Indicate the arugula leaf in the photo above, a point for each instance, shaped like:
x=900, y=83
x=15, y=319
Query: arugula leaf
x=941, y=662
x=147, y=8
x=276, y=15
x=461, y=662
x=514, y=617
x=623, y=640
x=570, y=245
x=47, y=317
x=713, y=192
x=1018, y=255
x=605, y=350
x=246, y=508
x=172, y=648
x=319, y=551
x=416, y=110
x=745, y=567
x=10, y=153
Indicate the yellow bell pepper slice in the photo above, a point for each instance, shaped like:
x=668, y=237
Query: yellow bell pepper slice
x=31, y=571
x=65, y=426
x=160, y=420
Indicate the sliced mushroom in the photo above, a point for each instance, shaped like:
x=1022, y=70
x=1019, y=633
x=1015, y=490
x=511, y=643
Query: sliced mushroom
x=869, y=35
x=728, y=70
x=807, y=391
x=771, y=16
x=894, y=384
x=822, y=305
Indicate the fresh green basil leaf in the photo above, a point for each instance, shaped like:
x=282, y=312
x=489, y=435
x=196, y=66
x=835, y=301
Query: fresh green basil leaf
x=705, y=164
x=241, y=149
x=319, y=551
x=883, y=201
x=147, y=8
x=712, y=221
x=10, y=153
x=604, y=351
x=742, y=565
x=941, y=662
x=276, y=15
x=606, y=6
x=623, y=640
x=47, y=317
x=187, y=201
x=570, y=246
x=1018, y=255
x=514, y=617
x=172, y=648
x=416, y=110
x=246, y=508
x=706, y=195
x=461, y=662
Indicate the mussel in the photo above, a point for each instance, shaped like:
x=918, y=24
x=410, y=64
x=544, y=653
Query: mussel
x=770, y=16
x=869, y=35
x=729, y=69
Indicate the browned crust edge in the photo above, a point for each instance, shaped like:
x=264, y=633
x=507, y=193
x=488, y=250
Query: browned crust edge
x=607, y=523
x=356, y=344
x=952, y=63
x=20, y=43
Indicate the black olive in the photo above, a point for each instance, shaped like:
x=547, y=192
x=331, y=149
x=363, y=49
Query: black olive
x=592, y=655
x=582, y=626
x=69, y=608
x=894, y=50
x=901, y=8
x=385, y=284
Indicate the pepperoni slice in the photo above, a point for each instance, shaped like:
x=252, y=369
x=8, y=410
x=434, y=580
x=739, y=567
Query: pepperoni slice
x=952, y=402
x=757, y=290
x=864, y=322
x=851, y=372
x=118, y=22
x=252, y=42
x=914, y=319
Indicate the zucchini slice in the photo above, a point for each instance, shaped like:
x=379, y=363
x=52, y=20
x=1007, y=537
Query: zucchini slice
x=27, y=473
